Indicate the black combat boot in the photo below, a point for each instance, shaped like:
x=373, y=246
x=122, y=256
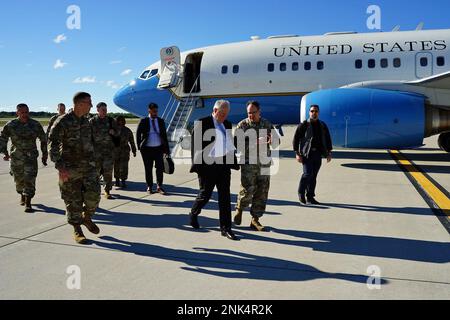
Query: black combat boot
x=22, y=200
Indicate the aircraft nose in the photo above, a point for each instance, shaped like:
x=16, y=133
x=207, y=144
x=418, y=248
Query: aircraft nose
x=125, y=96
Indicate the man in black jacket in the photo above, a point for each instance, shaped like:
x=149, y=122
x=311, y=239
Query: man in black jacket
x=213, y=157
x=152, y=141
x=312, y=141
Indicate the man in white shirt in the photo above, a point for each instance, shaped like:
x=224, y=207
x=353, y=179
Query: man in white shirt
x=213, y=155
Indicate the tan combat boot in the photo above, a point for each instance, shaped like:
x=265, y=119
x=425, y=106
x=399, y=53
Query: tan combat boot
x=89, y=224
x=238, y=217
x=22, y=200
x=108, y=195
x=28, y=205
x=78, y=234
x=255, y=225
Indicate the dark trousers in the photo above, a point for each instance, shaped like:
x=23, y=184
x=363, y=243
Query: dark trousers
x=311, y=167
x=152, y=155
x=215, y=176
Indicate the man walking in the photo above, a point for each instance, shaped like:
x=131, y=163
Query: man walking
x=23, y=132
x=104, y=130
x=312, y=141
x=255, y=135
x=72, y=151
x=213, y=157
x=151, y=137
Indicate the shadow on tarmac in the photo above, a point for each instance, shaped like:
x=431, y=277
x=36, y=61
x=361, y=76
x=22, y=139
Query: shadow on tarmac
x=237, y=265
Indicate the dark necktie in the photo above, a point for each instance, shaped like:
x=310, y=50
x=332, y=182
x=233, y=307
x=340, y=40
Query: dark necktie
x=154, y=126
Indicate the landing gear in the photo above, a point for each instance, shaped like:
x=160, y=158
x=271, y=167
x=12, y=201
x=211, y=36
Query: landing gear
x=444, y=141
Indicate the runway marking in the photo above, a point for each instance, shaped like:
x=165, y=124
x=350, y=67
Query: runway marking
x=433, y=193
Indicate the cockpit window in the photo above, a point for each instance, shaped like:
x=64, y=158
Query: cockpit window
x=153, y=73
x=144, y=74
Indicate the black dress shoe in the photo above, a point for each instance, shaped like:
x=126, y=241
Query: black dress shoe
x=228, y=233
x=194, y=221
x=150, y=191
x=161, y=191
x=313, y=201
x=302, y=199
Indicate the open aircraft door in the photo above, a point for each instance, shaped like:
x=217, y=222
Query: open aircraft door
x=170, y=74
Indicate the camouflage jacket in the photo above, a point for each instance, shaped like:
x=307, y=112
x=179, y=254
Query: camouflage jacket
x=103, y=143
x=71, y=142
x=251, y=151
x=126, y=140
x=50, y=123
x=23, y=139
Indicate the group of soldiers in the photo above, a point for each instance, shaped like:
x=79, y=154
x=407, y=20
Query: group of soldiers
x=83, y=148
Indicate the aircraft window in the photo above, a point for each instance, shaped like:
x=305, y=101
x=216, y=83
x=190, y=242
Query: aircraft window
x=440, y=61
x=152, y=73
x=307, y=65
x=224, y=69
x=371, y=63
x=423, y=62
x=235, y=68
x=384, y=63
x=294, y=66
x=319, y=65
x=358, y=64
x=144, y=74
x=270, y=67
x=397, y=63
x=283, y=66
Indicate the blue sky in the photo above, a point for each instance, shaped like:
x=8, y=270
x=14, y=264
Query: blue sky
x=118, y=39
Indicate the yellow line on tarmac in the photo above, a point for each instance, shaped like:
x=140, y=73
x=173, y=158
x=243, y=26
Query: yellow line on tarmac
x=439, y=198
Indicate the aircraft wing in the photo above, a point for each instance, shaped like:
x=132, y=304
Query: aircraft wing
x=440, y=81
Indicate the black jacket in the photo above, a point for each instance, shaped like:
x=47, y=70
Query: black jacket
x=303, y=139
x=197, y=151
x=143, y=130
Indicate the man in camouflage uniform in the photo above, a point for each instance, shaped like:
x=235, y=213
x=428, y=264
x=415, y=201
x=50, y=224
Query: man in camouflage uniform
x=104, y=128
x=61, y=111
x=23, y=132
x=122, y=152
x=72, y=150
x=255, y=136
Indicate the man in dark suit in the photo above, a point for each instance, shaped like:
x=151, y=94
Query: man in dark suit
x=213, y=157
x=152, y=141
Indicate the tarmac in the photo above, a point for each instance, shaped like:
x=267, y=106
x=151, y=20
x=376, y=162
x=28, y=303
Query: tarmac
x=375, y=236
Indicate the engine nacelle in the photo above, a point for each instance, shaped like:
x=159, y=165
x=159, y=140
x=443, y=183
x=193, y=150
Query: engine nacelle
x=370, y=118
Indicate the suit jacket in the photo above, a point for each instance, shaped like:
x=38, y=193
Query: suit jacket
x=143, y=130
x=198, y=151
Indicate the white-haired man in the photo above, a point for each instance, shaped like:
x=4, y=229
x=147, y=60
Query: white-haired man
x=213, y=157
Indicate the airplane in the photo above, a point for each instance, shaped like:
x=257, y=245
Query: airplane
x=375, y=90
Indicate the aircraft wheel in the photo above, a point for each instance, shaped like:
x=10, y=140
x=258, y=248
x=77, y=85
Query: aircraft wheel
x=444, y=141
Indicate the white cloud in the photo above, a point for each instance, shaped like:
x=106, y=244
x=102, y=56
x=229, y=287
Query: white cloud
x=59, y=64
x=87, y=79
x=112, y=84
x=126, y=72
x=60, y=38
x=116, y=62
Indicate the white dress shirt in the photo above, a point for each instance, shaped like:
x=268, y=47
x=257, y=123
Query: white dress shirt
x=223, y=143
x=154, y=139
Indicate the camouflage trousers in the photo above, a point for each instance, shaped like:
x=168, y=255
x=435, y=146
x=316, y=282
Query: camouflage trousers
x=25, y=172
x=254, y=190
x=121, y=160
x=80, y=194
x=105, y=165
